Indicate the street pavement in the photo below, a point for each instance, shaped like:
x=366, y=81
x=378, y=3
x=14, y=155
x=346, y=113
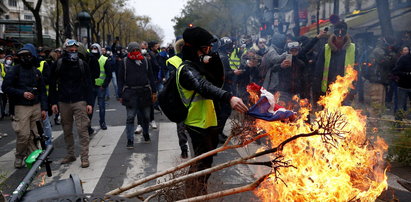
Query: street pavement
x=112, y=165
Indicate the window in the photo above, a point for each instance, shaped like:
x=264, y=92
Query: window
x=28, y=17
x=13, y=3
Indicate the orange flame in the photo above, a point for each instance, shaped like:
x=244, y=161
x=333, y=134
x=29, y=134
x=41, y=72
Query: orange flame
x=353, y=170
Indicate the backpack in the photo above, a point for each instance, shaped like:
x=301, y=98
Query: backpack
x=170, y=101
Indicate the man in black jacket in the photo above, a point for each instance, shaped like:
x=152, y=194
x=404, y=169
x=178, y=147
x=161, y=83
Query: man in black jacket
x=137, y=90
x=71, y=89
x=201, y=75
x=403, y=71
x=25, y=87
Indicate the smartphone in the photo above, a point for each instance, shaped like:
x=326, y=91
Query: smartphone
x=289, y=57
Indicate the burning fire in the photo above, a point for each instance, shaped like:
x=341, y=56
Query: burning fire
x=353, y=169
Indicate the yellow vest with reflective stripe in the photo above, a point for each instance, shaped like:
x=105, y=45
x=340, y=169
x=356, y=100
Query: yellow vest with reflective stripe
x=41, y=68
x=234, y=60
x=100, y=80
x=201, y=112
x=2, y=70
x=175, y=61
x=349, y=60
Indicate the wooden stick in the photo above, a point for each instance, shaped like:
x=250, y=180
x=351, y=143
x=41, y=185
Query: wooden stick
x=228, y=192
x=240, y=160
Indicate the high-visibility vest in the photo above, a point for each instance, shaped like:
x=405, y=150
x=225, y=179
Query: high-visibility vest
x=201, y=112
x=175, y=61
x=234, y=60
x=100, y=80
x=2, y=70
x=349, y=60
x=41, y=68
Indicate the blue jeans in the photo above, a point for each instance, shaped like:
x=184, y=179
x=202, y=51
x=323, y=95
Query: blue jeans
x=47, y=130
x=114, y=82
x=100, y=94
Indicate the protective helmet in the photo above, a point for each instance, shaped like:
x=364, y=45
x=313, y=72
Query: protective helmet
x=226, y=44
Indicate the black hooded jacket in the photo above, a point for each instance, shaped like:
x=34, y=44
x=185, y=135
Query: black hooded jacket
x=21, y=79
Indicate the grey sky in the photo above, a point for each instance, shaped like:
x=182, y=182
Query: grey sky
x=161, y=13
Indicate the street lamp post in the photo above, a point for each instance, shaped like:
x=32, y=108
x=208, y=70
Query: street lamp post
x=84, y=21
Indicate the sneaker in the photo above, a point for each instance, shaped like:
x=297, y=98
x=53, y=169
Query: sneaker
x=138, y=130
x=130, y=144
x=103, y=126
x=153, y=124
x=18, y=163
x=85, y=163
x=184, y=154
x=68, y=159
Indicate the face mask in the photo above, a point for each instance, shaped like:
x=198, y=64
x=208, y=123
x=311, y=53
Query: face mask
x=72, y=56
x=8, y=62
x=205, y=59
x=25, y=60
x=94, y=51
x=342, y=34
x=143, y=51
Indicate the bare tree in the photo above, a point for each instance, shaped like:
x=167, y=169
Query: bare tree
x=37, y=18
x=336, y=7
x=66, y=18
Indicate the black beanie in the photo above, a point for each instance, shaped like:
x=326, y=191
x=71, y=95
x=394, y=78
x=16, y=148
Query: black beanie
x=198, y=36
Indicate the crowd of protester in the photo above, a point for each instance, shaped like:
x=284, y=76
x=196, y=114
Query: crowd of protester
x=64, y=83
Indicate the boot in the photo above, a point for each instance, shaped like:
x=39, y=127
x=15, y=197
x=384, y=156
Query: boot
x=68, y=159
x=85, y=163
x=18, y=163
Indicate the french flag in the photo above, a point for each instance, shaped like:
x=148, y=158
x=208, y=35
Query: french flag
x=267, y=108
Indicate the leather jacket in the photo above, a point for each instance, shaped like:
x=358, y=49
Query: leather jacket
x=195, y=76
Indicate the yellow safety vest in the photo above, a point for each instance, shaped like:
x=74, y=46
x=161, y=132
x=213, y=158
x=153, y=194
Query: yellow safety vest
x=175, y=61
x=201, y=112
x=349, y=60
x=234, y=60
x=2, y=70
x=41, y=68
x=101, y=61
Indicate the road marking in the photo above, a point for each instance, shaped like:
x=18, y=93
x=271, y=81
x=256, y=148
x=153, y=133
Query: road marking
x=101, y=147
x=107, y=110
x=7, y=160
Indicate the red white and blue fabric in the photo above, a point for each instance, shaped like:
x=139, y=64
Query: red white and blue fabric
x=267, y=109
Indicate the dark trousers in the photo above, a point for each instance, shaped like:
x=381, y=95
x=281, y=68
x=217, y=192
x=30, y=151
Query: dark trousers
x=182, y=136
x=203, y=140
x=100, y=94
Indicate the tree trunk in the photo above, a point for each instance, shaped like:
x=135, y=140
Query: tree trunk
x=358, y=4
x=36, y=13
x=57, y=25
x=39, y=29
x=346, y=6
x=318, y=16
x=336, y=7
x=296, y=19
x=384, y=15
x=66, y=18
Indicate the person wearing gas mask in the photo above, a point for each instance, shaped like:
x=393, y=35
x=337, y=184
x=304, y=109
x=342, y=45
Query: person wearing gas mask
x=290, y=74
x=333, y=59
x=71, y=89
x=101, y=83
x=25, y=86
x=201, y=75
